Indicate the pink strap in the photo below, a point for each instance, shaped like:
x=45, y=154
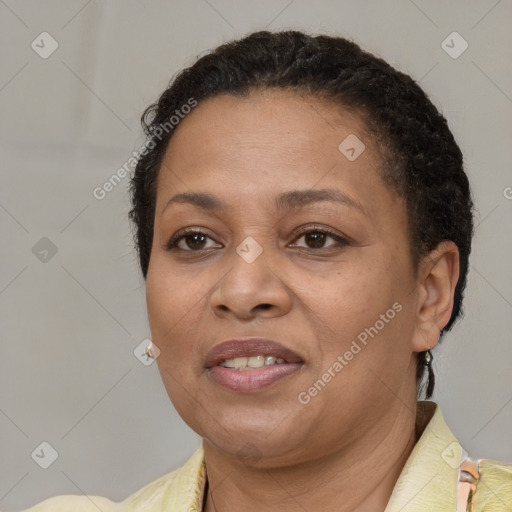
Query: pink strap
x=468, y=481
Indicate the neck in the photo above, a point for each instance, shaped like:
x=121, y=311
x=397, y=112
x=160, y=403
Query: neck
x=359, y=477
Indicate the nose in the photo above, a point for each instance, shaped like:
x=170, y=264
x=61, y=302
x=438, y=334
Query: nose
x=250, y=289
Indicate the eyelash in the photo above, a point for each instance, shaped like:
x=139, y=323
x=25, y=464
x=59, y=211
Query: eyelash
x=186, y=232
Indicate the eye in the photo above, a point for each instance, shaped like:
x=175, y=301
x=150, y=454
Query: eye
x=195, y=240
x=315, y=238
x=190, y=240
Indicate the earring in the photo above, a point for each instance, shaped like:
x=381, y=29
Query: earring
x=427, y=362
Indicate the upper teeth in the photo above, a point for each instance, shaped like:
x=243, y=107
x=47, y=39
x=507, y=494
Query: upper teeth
x=258, y=361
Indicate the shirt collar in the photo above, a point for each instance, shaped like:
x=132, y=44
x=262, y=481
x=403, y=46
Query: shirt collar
x=428, y=480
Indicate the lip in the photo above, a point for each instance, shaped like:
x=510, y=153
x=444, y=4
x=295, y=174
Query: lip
x=247, y=347
x=257, y=378
x=252, y=380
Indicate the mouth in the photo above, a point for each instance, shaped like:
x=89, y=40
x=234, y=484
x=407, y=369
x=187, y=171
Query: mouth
x=251, y=364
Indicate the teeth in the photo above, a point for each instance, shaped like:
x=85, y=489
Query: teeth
x=270, y=360
x=246, y=363
x=255, y=361
x=240, y=362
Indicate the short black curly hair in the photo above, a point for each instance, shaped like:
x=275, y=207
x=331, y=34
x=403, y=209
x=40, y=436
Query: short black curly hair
x=424, y=164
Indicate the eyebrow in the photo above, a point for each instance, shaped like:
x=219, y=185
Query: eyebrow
x=293, y=199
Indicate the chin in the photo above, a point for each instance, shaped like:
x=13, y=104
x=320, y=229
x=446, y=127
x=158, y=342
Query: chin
x=252, y=439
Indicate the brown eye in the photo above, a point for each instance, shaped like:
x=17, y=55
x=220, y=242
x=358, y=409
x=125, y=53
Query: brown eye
x=317, y=238
x=196, y=241
x=189, y=240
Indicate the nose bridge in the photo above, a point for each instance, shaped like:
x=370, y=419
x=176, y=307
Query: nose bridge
x=250, y=262
x=251, y=280
x=249, y=250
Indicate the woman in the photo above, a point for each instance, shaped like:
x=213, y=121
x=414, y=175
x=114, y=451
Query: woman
x=303, y=222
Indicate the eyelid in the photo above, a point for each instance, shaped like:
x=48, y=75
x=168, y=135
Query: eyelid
x=182, y=233
x=340, y=238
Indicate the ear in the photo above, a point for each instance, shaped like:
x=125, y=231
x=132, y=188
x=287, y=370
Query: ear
x=438, y=274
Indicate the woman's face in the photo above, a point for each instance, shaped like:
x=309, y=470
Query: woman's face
x=344, y=302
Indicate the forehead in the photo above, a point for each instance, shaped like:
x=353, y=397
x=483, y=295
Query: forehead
x=266, y=132
x=266, y=144
x=266, y=123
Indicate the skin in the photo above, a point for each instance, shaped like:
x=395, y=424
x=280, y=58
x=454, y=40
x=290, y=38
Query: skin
x=265, y=449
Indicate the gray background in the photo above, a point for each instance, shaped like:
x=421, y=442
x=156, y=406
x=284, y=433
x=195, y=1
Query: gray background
x=70, y=324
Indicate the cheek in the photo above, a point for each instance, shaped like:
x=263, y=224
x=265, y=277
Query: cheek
x=170, y=295
x=353, y=296
x=168, y=303
x=177, y=305
x=161, y=302
x=365, y=310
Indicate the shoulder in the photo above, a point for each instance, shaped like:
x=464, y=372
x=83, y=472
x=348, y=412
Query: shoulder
x=74, y=503
x=149, y=495
x=485, y=485
x=178, y=490
x=494, y=487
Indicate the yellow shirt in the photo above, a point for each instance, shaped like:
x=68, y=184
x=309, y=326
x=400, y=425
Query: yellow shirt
x=428, y=482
